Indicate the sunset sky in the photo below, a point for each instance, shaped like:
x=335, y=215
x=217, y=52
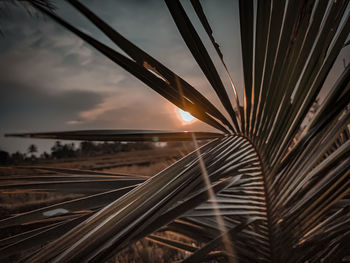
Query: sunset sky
x=50, y=80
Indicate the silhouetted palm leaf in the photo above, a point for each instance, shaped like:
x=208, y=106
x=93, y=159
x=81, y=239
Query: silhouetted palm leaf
x=262, y=194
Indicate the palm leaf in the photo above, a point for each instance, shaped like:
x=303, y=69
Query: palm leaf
x=201, y=55
x=121, y=135
x=267, y=193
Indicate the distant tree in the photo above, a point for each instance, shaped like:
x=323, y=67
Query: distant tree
x=18, y=157
x=56, y=150
x=56, y=146
x=68, y=150
x=4, y=158
x=31, y=150
x=59, y=151
x=45, y=155
x=87, y=148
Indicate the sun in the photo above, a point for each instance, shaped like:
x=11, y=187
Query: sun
x=185, y=116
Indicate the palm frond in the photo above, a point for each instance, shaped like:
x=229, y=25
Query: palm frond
x=269, y=192
x=201, y=55
x=121, y=135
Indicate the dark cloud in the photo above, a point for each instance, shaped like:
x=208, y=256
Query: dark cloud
x=25, y=106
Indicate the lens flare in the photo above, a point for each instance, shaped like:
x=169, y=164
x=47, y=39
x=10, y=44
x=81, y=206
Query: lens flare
x=185, y=116
x=228, y=246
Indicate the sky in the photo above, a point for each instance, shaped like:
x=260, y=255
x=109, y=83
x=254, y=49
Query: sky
x=50, y=80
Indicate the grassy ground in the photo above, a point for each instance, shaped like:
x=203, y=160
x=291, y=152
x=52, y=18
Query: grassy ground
x=142, y=162
x=145, y=163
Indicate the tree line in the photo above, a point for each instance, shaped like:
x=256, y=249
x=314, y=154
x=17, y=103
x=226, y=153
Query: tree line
x=71, y=150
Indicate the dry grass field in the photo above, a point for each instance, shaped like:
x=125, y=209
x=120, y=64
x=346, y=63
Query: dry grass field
x=143, y=163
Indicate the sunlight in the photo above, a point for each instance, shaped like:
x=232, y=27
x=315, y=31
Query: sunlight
x=219, y=218
x=185, y=116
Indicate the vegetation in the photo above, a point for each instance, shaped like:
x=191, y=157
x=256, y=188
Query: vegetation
x=60, y=151
x=255, y=192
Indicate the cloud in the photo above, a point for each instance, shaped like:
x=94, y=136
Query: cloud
x=52, y=80
x=31, y=108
